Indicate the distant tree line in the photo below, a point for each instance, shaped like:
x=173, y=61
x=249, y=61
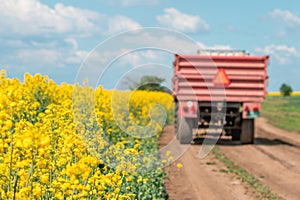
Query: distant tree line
x=285, y=90
x=150, y=83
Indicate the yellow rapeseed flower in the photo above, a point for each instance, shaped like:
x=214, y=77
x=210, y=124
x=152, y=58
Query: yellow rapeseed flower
x=179, y=165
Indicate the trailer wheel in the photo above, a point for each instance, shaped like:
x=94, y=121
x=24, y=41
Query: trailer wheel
x=176, y=120
x=247, y=134
x=185, y=130
x=236, y=132
x=177, y=127
x=236, y=135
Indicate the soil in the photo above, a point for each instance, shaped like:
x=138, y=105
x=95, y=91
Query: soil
x=274, y=159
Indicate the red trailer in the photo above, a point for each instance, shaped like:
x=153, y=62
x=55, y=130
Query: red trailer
x=218, y=90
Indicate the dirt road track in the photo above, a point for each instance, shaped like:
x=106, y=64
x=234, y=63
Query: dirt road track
x=201, y=178
x=274, y=159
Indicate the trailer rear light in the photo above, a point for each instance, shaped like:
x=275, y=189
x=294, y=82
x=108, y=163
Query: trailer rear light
x=185, y=109
x=193, y=109
x=255, y=109
x=251, y=111
x=189, y=108
x=246, y=109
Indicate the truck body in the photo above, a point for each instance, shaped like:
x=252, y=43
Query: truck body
x=218, y=90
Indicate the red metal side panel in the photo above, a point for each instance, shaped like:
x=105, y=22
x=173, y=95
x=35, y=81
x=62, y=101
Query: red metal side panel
x=193, y=77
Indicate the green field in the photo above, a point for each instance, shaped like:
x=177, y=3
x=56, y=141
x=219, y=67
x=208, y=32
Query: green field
x=283, y=112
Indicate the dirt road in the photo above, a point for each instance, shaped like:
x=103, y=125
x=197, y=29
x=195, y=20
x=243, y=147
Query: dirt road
x=274, y=159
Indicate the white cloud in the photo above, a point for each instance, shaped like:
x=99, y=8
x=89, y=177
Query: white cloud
x=77, y=57
x=161, y=39
x=120, y=23
x=125, y=58
x=172, y=18
x=282, y=53
x=53, y=32
x=142, y=46
x=215, y=47
x=128, y=3
x=290, y=19
x=137, y=58
x=281, y=33
x=139, y=2
x=48, y=45
x=132, y=50
x=74, y=55
x=31, y=17
x=12, y=43
x=50, y=57
x=40, y=56
x=72, y=42
x=52, y=53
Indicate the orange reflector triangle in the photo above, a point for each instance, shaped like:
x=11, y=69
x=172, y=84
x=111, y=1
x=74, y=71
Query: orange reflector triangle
x=221, y=78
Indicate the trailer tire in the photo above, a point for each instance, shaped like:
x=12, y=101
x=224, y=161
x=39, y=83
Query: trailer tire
x=185, y=130
x=177, y=127
x=236, y=135
x=176, y=120
x=247, y=134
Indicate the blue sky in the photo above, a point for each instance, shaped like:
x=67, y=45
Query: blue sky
x=54, y=37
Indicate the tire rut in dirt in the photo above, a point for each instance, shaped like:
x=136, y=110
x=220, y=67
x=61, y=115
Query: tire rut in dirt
x=274, y=159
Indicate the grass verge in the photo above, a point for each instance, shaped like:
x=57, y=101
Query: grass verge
x=264, y=191
x=283, y=112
